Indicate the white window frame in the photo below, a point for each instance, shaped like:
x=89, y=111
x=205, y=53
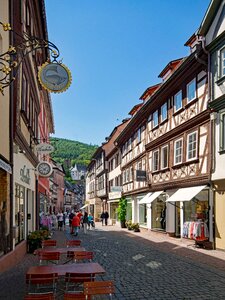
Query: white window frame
x=166, y=110
x=221, y=63
x=163, y=158
x=180, y=154
x=153, y=160
x=175, y=96
x=188, y=85
x=188, y=143
x=155, y=122
x=222, y=130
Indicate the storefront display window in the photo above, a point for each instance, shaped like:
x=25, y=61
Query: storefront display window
x=129, y=211
x=113, y=210
x=19, y=213
x=158, y=214
x=197, y=209
x=143, y=214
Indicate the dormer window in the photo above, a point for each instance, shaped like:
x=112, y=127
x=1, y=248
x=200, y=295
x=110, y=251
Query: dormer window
x=155, y=119
x=178, y=101
x=191, y=90
x=164, y=112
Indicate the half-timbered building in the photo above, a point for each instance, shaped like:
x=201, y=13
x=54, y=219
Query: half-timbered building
x=212, y=31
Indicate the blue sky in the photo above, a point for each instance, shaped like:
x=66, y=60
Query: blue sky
x=115, y=49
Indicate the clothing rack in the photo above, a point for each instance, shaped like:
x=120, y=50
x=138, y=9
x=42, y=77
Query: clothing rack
x=196, y=230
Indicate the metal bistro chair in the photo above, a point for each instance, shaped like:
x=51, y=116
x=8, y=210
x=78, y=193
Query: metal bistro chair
x=41, y=283
x=49, y=257
x=93, y=288
x=72, y=243
x=77, y=256
x=74, y=281
x=48, y=243
x=48, y=296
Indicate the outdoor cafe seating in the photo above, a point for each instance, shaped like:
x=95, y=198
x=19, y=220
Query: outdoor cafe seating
x=80, y=255
x=48, y=243
x=48, y=257
x=74, y=281
x=48, y=296
x=72, y=243
x=93, y=288
x=41, y=283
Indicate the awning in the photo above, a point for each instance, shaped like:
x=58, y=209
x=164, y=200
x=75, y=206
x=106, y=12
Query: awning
x=84, y=206
x=150, y=197
x=186, y=194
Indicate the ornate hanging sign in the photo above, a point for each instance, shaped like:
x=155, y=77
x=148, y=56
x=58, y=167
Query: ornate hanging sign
x=54, y=77
x=44, y=148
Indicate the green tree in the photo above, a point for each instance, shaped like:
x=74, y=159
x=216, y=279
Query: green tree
x=122, y=211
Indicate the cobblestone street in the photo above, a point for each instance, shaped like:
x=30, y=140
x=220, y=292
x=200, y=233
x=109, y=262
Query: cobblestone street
x=143, y=265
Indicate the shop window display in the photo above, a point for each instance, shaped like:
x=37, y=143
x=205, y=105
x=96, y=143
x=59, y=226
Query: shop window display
x=19, y=213
x=159, y=214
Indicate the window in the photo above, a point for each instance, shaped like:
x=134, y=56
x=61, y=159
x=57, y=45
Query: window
x=191, y=90
x=222, y=62
x=178, y=101
x=178, y=151
x=222, y=131
x=155, y=160
x=164, y=157
x=164, y=112
x=139, y=135
x=155, y=119
x=192, y=146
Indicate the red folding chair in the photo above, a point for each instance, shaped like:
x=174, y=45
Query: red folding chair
x=48, y=243
x=81, y=255
x=48, y=257
x=41, y=283
x=49, y=296
x=72, y=243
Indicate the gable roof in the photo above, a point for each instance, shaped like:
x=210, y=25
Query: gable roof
x=209, y=16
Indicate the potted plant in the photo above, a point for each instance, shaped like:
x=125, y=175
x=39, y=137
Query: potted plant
x=122, y=211
x=135, y=227
x=35, y=238
x=129, y=225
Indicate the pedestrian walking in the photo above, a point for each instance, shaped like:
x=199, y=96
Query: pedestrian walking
x=102, y=217
x=85, y=222
x=60, y=220
x=106, y=217
x=76, y=224
x=90, y=221
x=71, y=215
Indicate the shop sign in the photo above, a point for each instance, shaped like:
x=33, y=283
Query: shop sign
x=25, y=175
x=116, y=188
x=44, y=148
x=115, y=195
x=5, y=166
x=54, y=77
x=141, y=175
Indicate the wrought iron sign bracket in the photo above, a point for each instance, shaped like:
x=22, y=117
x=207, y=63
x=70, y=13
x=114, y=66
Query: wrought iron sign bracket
x=13, y=57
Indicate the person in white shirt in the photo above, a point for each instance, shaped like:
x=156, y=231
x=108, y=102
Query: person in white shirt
x=60, y=220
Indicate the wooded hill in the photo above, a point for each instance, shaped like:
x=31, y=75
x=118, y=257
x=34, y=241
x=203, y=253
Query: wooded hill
x=69, y=153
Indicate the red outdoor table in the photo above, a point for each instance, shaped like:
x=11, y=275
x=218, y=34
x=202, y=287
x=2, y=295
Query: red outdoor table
x=62, y=250
x=82, y=268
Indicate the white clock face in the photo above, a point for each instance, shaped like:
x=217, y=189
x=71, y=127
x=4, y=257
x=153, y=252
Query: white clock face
x=44, y=169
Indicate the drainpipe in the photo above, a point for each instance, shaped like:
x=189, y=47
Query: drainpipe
x=212, y=147
x=11, y=113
